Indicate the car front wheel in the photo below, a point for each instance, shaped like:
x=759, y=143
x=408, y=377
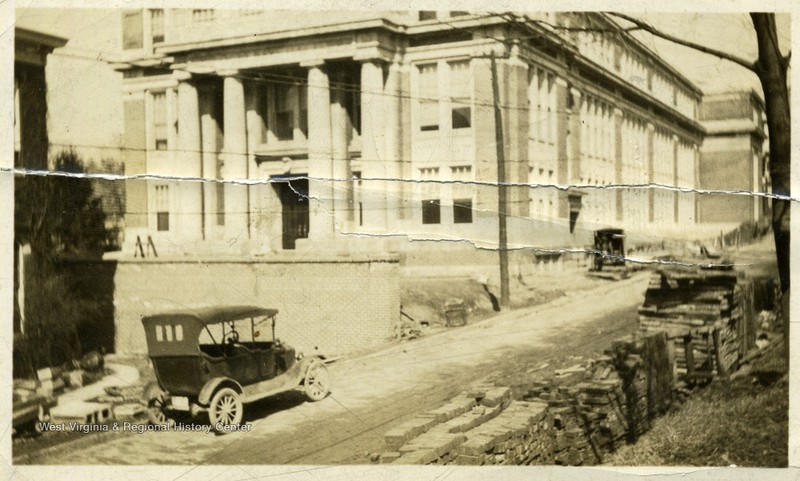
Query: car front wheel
x=226, y=409
x=317, y=383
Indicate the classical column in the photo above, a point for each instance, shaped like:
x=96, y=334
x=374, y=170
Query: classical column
x=618, y=117
x=517, y=162
x=341, y=172
x=209, y=133
x=651, y=193
x=320, y=160
x=373, y=145
x=576, y=117
x=562, y=125
x=235, y=159
x=393, y=133
x=675, y=193
x=258, y=193
x=695, y=183
x=190, y=205
x=483, y=127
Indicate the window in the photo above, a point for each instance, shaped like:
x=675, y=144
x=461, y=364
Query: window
x=157, y=25
x=461, y=193
x=132, y=29
x=427, y=15
x=431, y=205
x=462, y=211
x=302, y=95
x=429, y=98
x=458, y=13
x=284, y=112
x=359, y=205
x=17, y=124
x=162, y=207
x=263, y=112
x=203, y=15
x=353, y=107
x=290, y=104
x=460, y=95
x=160, y=120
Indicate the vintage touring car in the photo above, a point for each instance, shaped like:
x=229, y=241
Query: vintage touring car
x=211, y=360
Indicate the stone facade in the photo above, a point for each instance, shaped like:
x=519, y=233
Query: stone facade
x=732, y=158
x=350, y=131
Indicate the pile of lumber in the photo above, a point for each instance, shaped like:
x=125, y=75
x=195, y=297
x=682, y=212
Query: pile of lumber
x=701, y=310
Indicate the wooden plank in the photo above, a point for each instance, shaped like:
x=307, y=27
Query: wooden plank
x=721, y=369
x=688, y=350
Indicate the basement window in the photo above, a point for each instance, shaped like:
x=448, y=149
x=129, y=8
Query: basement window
x=431, y=211
x=462, y=211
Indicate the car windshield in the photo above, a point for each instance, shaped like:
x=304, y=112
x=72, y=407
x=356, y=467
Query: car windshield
x=260, y=331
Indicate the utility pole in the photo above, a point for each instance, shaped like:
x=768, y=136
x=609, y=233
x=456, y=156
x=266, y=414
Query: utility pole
x=502, y=203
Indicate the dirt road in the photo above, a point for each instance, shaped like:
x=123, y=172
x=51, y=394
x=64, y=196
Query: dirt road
x=373, y=393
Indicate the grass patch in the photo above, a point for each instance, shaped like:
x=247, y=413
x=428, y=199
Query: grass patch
x=744, y=422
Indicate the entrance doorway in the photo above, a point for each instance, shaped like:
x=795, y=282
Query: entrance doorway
x=294, y=209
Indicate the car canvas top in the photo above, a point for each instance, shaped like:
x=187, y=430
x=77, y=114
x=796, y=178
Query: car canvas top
x=210, y=315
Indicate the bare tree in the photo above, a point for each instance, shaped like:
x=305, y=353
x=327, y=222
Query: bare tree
x=771, y=68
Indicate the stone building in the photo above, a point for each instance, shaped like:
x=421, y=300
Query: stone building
x=341, y=131
x=732, y=158
x=31, y=49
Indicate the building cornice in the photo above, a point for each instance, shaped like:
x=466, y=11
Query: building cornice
x=589, y=72
x=651, y=56
x=39, y=38
x=281, y=35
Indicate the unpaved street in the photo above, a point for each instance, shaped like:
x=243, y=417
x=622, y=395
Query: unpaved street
x=374, y=392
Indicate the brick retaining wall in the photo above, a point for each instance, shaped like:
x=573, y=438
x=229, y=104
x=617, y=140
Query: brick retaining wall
x=335, y=304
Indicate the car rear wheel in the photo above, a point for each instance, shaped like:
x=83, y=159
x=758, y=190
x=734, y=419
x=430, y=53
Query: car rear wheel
x=226, y=408
x=156, y=406
x=317, y=383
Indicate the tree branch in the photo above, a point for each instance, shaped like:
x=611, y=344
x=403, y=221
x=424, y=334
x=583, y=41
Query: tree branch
x=686, y=43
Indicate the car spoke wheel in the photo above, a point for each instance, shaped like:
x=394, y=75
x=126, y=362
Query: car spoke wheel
x=317, y=383
x=156, y=410
x=226, y=408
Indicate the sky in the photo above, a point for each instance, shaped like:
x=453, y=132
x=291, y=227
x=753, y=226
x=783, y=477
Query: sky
x=732, y=33
x=85, y=100
x=84, y=95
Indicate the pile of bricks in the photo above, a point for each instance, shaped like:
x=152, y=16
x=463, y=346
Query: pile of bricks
x=431, y=437
x=573, y=418
x=588, y=411
x=520, y=435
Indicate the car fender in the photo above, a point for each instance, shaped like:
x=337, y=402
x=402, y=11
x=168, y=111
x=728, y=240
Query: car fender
x=306, y=363
x=211, y=387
